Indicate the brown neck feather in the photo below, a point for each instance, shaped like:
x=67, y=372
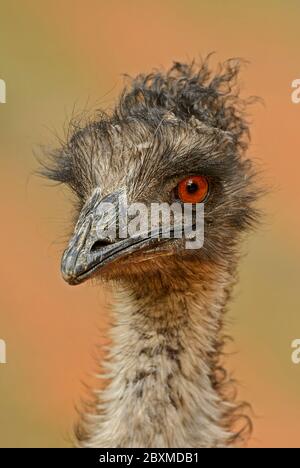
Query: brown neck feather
x=166, y=384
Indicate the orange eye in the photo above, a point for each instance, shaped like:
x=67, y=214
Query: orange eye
x=193, y=189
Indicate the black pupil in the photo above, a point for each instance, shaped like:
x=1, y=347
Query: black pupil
x=192, y=187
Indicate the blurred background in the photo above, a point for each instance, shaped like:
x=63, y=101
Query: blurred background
x=59, y=55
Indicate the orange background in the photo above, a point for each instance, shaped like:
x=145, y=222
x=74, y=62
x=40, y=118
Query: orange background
x=55, y=55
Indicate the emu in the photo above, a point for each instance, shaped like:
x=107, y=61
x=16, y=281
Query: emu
x=180, y=134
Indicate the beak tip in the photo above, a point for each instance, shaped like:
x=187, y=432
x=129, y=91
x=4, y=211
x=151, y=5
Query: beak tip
x=68, y=269
x=70, y=279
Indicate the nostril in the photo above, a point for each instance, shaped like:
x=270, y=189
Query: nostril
x=100, y=244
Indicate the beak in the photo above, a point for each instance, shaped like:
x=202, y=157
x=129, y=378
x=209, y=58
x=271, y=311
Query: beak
x=94, y=243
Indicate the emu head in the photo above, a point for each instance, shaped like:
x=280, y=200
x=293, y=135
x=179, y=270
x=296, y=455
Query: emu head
x=183, y=130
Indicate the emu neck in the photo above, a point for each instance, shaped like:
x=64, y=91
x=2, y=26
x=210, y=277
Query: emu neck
x=164, y=389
